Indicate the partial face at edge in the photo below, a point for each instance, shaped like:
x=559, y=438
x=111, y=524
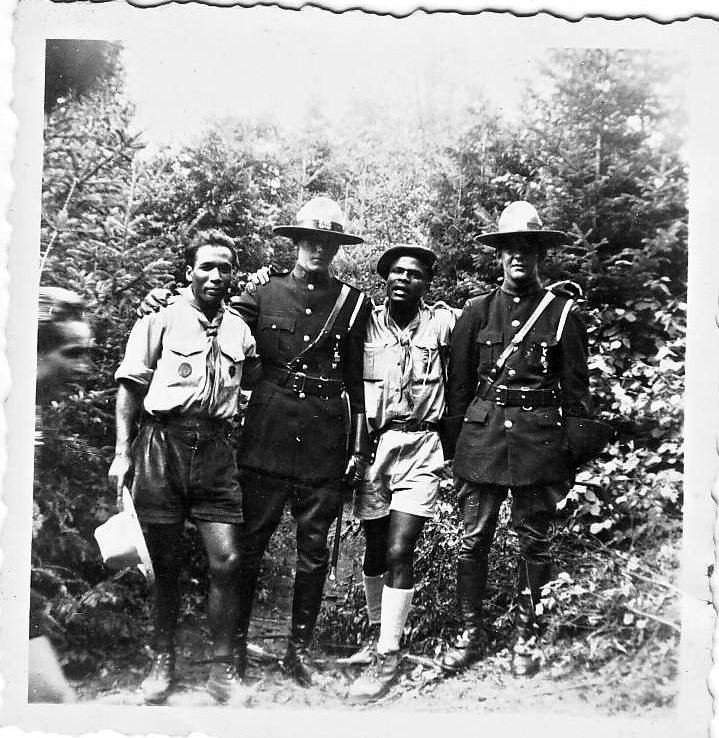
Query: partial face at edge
x=406, y=281
x=210, y=275
x=315, y=253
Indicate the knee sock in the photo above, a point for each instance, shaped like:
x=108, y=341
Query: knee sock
x=395, y=608
x=373, y=593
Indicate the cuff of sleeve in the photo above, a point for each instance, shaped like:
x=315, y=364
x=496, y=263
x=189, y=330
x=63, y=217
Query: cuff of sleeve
x=138, y=374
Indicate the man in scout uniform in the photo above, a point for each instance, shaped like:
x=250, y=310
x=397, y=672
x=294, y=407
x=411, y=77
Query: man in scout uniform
x=518, y=365
x=181, y=372
x=405, y=354
x=305, y=423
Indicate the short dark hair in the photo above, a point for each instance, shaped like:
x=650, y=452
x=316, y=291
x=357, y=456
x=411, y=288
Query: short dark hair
x=208, y=237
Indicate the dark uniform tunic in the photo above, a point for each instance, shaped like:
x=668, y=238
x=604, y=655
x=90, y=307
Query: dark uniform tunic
x=289, y=435
x=519, y=445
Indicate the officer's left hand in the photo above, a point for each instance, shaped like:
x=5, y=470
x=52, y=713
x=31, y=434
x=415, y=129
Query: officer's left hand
x=356, y=468
x=261, y=276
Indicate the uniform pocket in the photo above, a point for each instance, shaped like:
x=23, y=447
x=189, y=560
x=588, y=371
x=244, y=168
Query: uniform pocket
x=489, y=348
x=425, y=361
x=275, y=334
x=476, y=414
x=372, y=362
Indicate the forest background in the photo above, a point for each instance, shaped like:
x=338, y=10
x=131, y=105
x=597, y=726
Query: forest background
x=598, y=150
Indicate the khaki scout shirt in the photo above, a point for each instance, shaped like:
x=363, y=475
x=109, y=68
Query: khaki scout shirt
x=171, y=353
x=402, y=367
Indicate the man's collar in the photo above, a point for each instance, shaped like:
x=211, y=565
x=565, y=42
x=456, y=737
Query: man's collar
x=529, y=289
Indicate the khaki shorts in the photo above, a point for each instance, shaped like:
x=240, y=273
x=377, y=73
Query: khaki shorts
x=403, y=477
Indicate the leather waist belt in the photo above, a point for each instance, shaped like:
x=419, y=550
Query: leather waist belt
x=304, y=384
x=526, y=398
x=203, y=425
x=409, y=426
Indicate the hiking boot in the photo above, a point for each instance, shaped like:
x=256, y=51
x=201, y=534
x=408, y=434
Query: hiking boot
x=363, y=657
x=467, y=648
x=377, y=679
x=225, y=685
x=156, y=686
x=298, y=664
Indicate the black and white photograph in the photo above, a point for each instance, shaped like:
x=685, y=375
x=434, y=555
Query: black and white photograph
x=358, y=351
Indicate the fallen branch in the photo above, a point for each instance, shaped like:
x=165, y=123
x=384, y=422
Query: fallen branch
x=656, y=618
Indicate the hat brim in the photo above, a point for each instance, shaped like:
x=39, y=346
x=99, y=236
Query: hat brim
x=347, y=239
x=145, y=564
x=543, y=239
x=425, y=256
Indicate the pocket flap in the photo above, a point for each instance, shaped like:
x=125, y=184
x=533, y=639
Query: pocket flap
x=490, y=337
x=477, y=413
x=232, y=349
x=276, y=322
x=188, y=347
x=548, y=416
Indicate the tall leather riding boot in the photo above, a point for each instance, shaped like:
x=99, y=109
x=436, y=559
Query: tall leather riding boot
x=532, y=576
x=305, y=609
x=247, y=586
x=469, y=645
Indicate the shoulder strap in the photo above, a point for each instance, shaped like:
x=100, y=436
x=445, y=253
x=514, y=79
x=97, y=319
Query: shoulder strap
x=514, y=344
x=327, y=327
x=563, y=319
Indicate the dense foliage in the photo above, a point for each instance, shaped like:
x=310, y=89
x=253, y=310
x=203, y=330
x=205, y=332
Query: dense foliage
x=598, y=153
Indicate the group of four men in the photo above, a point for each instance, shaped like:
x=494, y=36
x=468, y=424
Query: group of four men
x=346, y=392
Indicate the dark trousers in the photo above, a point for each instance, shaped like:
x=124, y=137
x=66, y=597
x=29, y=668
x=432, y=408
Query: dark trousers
x=313, y=506
x=533, y=514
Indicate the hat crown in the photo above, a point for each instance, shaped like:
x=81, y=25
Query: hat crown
x=323, y=213
x=519, y=216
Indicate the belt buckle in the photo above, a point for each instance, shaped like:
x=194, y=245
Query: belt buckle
x=298, y=382
x=523, y=390
x=502, y=388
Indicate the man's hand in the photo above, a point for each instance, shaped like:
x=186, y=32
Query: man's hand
x=356, y=468
x=261, y=276
x=119, y=470
x=155, y=299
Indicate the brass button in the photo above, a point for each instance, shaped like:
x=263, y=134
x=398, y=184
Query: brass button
x=515, y=299
x=305, y=338
x=489, y=343
x=304, y=367
x=274, y=327
x=508, y=423
x=308, y=311
x=512, y=372
x=515, y=323
x=301, y=395
x=310, y=286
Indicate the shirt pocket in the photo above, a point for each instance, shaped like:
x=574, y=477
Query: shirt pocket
x=374, y=360
x=490, y=345
x=184, y=365
x=426, y=364
x=542, y=353
x=231, y=357
x=276, y=333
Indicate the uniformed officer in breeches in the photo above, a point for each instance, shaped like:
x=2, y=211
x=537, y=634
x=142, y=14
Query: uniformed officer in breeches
x=310, y=331
x=510, y=405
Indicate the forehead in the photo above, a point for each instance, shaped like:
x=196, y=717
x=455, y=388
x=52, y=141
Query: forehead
x=409, y=263
x=213, y=253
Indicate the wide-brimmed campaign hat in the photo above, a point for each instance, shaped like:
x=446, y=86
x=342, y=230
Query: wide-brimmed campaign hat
x=520, y=218
x=422, y=254
x=319, y=215
x=121, y=541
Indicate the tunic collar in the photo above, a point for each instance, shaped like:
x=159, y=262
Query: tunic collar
x=530, y=289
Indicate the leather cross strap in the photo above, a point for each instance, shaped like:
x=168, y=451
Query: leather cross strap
x=326, y=328
x=517, y=339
